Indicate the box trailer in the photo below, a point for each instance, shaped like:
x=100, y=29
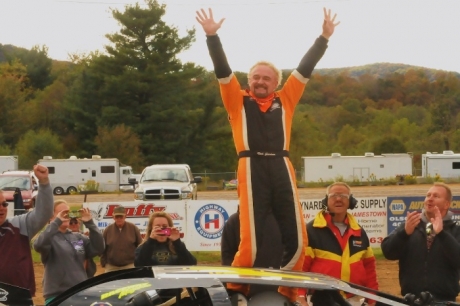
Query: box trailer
x=445, y=164
x=8, y=163
x=362, y=168
x=68, y=175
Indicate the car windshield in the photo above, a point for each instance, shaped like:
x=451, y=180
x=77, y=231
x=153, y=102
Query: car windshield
x=13, y=182
x=178, y=175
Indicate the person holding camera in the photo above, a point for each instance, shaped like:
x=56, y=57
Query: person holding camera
x=90, y=265
x=162, y=244
x=121, y=240
x=63, y=252
x=427, y=246
x=338, y=245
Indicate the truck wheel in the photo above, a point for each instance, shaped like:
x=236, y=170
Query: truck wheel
x=71, y=190
x=58, y=191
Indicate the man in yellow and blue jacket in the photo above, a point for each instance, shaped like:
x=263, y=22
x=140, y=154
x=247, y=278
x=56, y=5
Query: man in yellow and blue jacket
x=338, y=245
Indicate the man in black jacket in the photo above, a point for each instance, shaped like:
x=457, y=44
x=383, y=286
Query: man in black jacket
x=427, y=246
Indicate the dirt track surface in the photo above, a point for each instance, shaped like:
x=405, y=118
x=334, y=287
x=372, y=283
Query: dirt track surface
x=387, y=271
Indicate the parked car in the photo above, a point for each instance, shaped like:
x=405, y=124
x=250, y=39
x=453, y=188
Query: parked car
x=25, y=181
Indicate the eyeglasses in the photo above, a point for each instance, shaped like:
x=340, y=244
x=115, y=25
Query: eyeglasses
x=338, y=195
x=73, y=222
x=5, y=204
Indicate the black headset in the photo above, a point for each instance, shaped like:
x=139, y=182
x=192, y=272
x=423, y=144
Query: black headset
x=351, y=199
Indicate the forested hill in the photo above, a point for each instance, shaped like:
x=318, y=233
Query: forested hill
x=380, y=70
x=138, y=102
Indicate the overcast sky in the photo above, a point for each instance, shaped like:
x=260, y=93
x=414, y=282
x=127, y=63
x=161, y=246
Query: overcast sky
x=414, y=32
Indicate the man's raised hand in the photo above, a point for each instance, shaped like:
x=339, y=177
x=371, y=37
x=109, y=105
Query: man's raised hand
x=41, y=172
x=329, y=23
x=210, y=27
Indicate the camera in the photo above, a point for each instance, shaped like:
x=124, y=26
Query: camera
x=165, y=231
x=74, y=214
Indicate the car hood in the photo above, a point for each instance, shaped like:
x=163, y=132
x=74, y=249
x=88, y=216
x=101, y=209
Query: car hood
x=117, y=288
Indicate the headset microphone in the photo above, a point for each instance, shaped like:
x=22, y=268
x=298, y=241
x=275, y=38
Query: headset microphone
x=324, y=206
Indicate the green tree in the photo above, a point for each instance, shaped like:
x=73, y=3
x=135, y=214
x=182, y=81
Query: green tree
x=5, y=150
x=34, y=145
x=350, y=141
x=141, y=83
x=38, y=66
x=46, y=110
x=442, y=119
x=119, y=142
x=306, y=139
x=389, y=144
x=13, y=99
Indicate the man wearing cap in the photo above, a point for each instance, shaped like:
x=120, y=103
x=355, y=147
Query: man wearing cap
x=121, y=240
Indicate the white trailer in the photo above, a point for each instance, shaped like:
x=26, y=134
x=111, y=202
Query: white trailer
x=369, y=167
x=67, y=175
x=445, y=164
x=8, y=163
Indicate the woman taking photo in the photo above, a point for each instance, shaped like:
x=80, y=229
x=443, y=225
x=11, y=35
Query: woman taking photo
x=162, y=244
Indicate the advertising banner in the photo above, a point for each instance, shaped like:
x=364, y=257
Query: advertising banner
x=205, y=221
x=137, y=213
x=398, y=208
x=202, y=221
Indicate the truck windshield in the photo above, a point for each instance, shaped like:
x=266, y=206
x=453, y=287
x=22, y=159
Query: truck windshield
x=164, y=175
x=13, y=182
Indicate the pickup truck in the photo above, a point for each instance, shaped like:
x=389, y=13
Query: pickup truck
x=25, y=181
x=166, y=182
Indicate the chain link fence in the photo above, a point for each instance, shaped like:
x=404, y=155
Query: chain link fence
x=217, y=180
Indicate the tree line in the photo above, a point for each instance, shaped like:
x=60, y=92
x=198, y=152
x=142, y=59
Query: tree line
x=139, y=103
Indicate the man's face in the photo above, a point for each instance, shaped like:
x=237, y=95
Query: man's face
x=262, y=81
x=3, y=210
x=436, y=197
x=338, y=199
x=119, y=220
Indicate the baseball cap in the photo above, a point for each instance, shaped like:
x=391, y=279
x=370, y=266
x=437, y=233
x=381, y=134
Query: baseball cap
x=119, y=211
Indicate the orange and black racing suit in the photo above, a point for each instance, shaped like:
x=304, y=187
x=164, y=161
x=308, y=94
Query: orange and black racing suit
x=266, y=178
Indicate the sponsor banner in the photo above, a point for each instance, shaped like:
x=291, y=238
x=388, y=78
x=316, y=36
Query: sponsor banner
x=205, y=221
x=371, y=214
x=398, y=207
x=138, y=213
x=202, y=221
